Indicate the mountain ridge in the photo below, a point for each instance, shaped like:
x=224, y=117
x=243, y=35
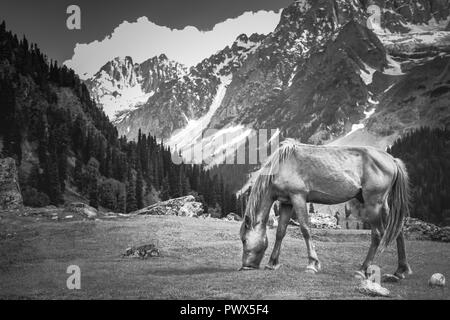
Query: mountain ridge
x=326, y=74
x=121, y=84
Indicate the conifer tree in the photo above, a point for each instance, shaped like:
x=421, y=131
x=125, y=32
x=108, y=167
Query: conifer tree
x=121, y=199
x=131, y=204
x=93, y=194
x=165, y=189
x=78, y=175
x=92, y=182
x=107, y=195
x=139, y=190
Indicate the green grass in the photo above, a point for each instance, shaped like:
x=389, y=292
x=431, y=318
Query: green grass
x=199, y=260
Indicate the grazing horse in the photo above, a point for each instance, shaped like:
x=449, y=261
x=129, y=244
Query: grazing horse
x=299, y=173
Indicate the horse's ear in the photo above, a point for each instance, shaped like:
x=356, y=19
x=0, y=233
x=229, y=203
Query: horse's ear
x=247, y=222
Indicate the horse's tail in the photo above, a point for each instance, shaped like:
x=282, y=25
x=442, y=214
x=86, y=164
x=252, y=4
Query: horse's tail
x=398, y=204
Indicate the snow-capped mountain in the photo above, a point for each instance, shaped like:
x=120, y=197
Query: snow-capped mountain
x=178, y=101
x=322, y=73
x=121, y=85
x=333, y=71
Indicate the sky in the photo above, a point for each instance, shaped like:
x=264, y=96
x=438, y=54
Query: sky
x=135, y=27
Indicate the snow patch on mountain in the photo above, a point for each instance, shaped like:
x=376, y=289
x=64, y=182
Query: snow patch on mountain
x=394, y=68
x=372, y=101
x=121, y=99
x=369, y=113
x=355, y=128
x=185, y=139
x=367, y=74
x=359, y=126
x=431, y=25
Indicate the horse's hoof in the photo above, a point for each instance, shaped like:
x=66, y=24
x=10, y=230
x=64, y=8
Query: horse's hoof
x=360, y=275
x=318, y=266
x=311, y=269
x=390, y=278
x=399, y=276
x=402, y=272
x=272, y=267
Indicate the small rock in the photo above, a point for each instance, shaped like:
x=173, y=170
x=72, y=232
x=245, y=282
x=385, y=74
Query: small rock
x=143, y=252
x=110, y=214
x=233, y=217
x=373, y=289
x=437, y=280
x=82, y=209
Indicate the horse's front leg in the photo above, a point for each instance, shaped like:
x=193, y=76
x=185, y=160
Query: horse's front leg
x=299, y=204
x=285, y=217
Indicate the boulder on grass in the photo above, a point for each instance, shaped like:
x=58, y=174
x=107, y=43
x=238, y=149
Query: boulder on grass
x=82, y=209
x=320, y=220
x=183, y=206
x=416, y=229
x=143, y=252
x=191, y=209
x=233, y=217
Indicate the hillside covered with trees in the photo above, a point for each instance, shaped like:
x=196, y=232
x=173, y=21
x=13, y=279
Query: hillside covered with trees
x=63, y=143
x=426, y=153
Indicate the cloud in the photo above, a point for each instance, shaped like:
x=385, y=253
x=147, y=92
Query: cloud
x=144, y=39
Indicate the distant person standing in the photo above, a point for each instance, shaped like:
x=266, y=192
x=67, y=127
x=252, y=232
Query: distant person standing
x=336, y=215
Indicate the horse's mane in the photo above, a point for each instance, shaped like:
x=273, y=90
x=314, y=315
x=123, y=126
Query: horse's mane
x=265, y=176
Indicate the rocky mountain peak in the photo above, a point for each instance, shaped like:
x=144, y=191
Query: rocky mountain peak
x=163, y=57
x=224, y=62
x=120, y=69
x=121, y=84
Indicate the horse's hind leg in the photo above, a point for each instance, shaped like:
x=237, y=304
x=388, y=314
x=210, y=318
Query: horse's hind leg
x=299, y=204
x=373, y=213
x=375, y=241
x=403, y=266
x=285, y=217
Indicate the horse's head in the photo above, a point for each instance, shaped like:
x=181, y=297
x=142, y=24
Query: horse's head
x=254, y=241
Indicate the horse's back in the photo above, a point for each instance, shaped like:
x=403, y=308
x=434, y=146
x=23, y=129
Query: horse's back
x=334, y=174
